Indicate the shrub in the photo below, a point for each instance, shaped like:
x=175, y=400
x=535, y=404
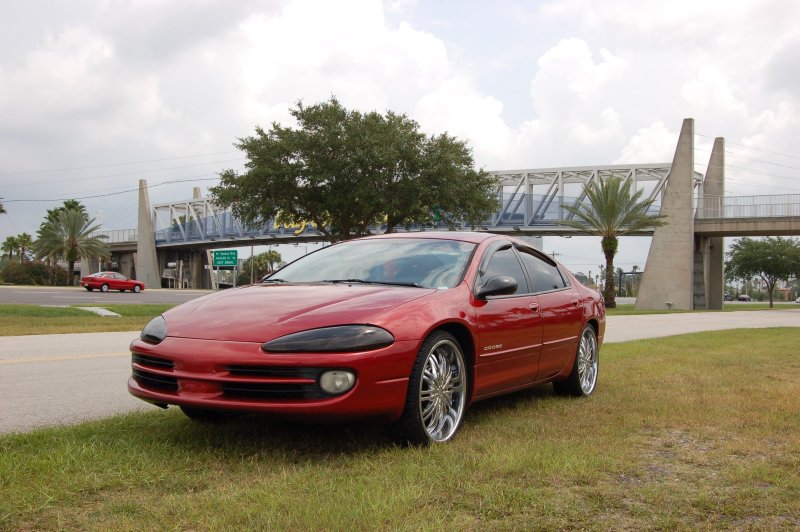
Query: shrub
x=33, y=273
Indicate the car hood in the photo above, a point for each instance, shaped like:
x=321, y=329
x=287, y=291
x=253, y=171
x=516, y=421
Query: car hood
x=259, y=313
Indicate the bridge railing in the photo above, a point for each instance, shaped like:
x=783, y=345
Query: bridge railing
x=531, y=210
x=774, y=206
x=116, y=236
x=518, y=211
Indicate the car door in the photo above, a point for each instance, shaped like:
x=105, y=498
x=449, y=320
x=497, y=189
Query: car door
x=123, y=283
x=562, y=315
x=117, y=281
x=106, y=279
x=509, y=327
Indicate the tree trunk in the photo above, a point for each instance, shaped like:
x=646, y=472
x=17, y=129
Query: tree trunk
x=609, y=250
x=71, y=266
x=770, y=288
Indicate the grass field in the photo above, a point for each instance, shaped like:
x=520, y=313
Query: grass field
x=692, y=432
x=34, y=319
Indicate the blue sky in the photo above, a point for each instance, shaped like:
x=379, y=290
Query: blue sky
x=95, y=95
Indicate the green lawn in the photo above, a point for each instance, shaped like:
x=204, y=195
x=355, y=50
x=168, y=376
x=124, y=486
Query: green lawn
x=33, y=319
x=691, y=432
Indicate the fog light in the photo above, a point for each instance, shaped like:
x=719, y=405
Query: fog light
x=336, y=382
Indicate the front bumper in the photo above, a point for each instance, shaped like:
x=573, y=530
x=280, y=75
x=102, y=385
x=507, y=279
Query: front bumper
x=239, y=376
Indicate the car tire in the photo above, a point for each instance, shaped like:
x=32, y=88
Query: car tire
x=137, y=288
x=582, y=381
x=205, y=415
x=104, y=288
x=437, y=392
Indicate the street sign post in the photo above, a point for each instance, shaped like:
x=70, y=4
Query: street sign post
x=226, y=257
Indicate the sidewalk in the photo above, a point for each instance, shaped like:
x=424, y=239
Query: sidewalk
x=639, y=327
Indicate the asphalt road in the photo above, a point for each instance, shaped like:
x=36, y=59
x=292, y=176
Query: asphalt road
x=67, y=378
x=74, y=295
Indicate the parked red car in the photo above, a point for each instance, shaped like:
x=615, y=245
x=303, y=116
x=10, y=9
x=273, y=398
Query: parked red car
x=407, y=328
x=105, y=281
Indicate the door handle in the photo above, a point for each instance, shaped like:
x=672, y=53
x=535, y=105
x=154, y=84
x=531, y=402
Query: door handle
x=534, y=307
x=574, y=302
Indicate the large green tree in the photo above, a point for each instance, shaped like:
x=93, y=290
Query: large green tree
x=771, y=259
x=611, y=210
x=344, y=171
x=69, y=236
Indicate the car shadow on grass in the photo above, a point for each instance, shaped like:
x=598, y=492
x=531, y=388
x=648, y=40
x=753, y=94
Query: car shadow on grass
x=245, y=434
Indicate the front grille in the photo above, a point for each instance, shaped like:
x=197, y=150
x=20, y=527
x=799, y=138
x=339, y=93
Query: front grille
x=250, y=390
x=282, y=382
x=153, y=362
x=152, y=380
x=274, y=372
x=236, y=382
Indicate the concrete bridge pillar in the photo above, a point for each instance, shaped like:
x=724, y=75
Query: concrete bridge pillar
x=668, y=280
x=714, y=187
x=146, y=258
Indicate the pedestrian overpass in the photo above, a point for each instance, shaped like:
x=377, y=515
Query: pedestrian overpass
x=684, y=269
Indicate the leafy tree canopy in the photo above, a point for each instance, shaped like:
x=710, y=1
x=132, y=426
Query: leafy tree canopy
x=611, y=210
x=344, y=171
x=771, y=259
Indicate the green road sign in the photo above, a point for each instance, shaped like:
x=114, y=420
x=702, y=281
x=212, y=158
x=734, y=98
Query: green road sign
x=226, y=257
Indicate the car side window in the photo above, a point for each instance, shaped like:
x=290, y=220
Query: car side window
x=544, y=275
x=505, y=262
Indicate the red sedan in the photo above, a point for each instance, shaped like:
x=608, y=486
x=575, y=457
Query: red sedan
x=405, y=328
x=105, y=281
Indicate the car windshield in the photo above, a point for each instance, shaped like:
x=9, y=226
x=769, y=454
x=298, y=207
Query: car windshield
x=422, y=262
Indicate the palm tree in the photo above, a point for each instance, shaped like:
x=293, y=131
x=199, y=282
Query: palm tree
x=68, y=237
x=10, y=246
x=25, y=243
x=610, y=212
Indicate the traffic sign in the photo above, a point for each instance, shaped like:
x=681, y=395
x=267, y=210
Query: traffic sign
x=226, y=257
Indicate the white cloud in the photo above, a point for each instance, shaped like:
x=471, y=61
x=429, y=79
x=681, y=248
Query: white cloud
x=651, y=144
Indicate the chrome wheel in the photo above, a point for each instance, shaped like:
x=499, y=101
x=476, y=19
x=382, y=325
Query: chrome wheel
x=587, y=361
x=437, y=392
x=442, y=391
x=583, y=379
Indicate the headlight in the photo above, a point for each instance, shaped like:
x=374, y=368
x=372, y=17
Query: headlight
x=332, y=339
x=155, y=331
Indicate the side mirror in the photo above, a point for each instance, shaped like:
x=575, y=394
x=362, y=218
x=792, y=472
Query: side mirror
x=500, y=285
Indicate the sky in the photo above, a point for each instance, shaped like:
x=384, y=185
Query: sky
x=95, y=95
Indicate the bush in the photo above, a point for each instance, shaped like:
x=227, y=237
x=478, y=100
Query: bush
x=33, y=273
